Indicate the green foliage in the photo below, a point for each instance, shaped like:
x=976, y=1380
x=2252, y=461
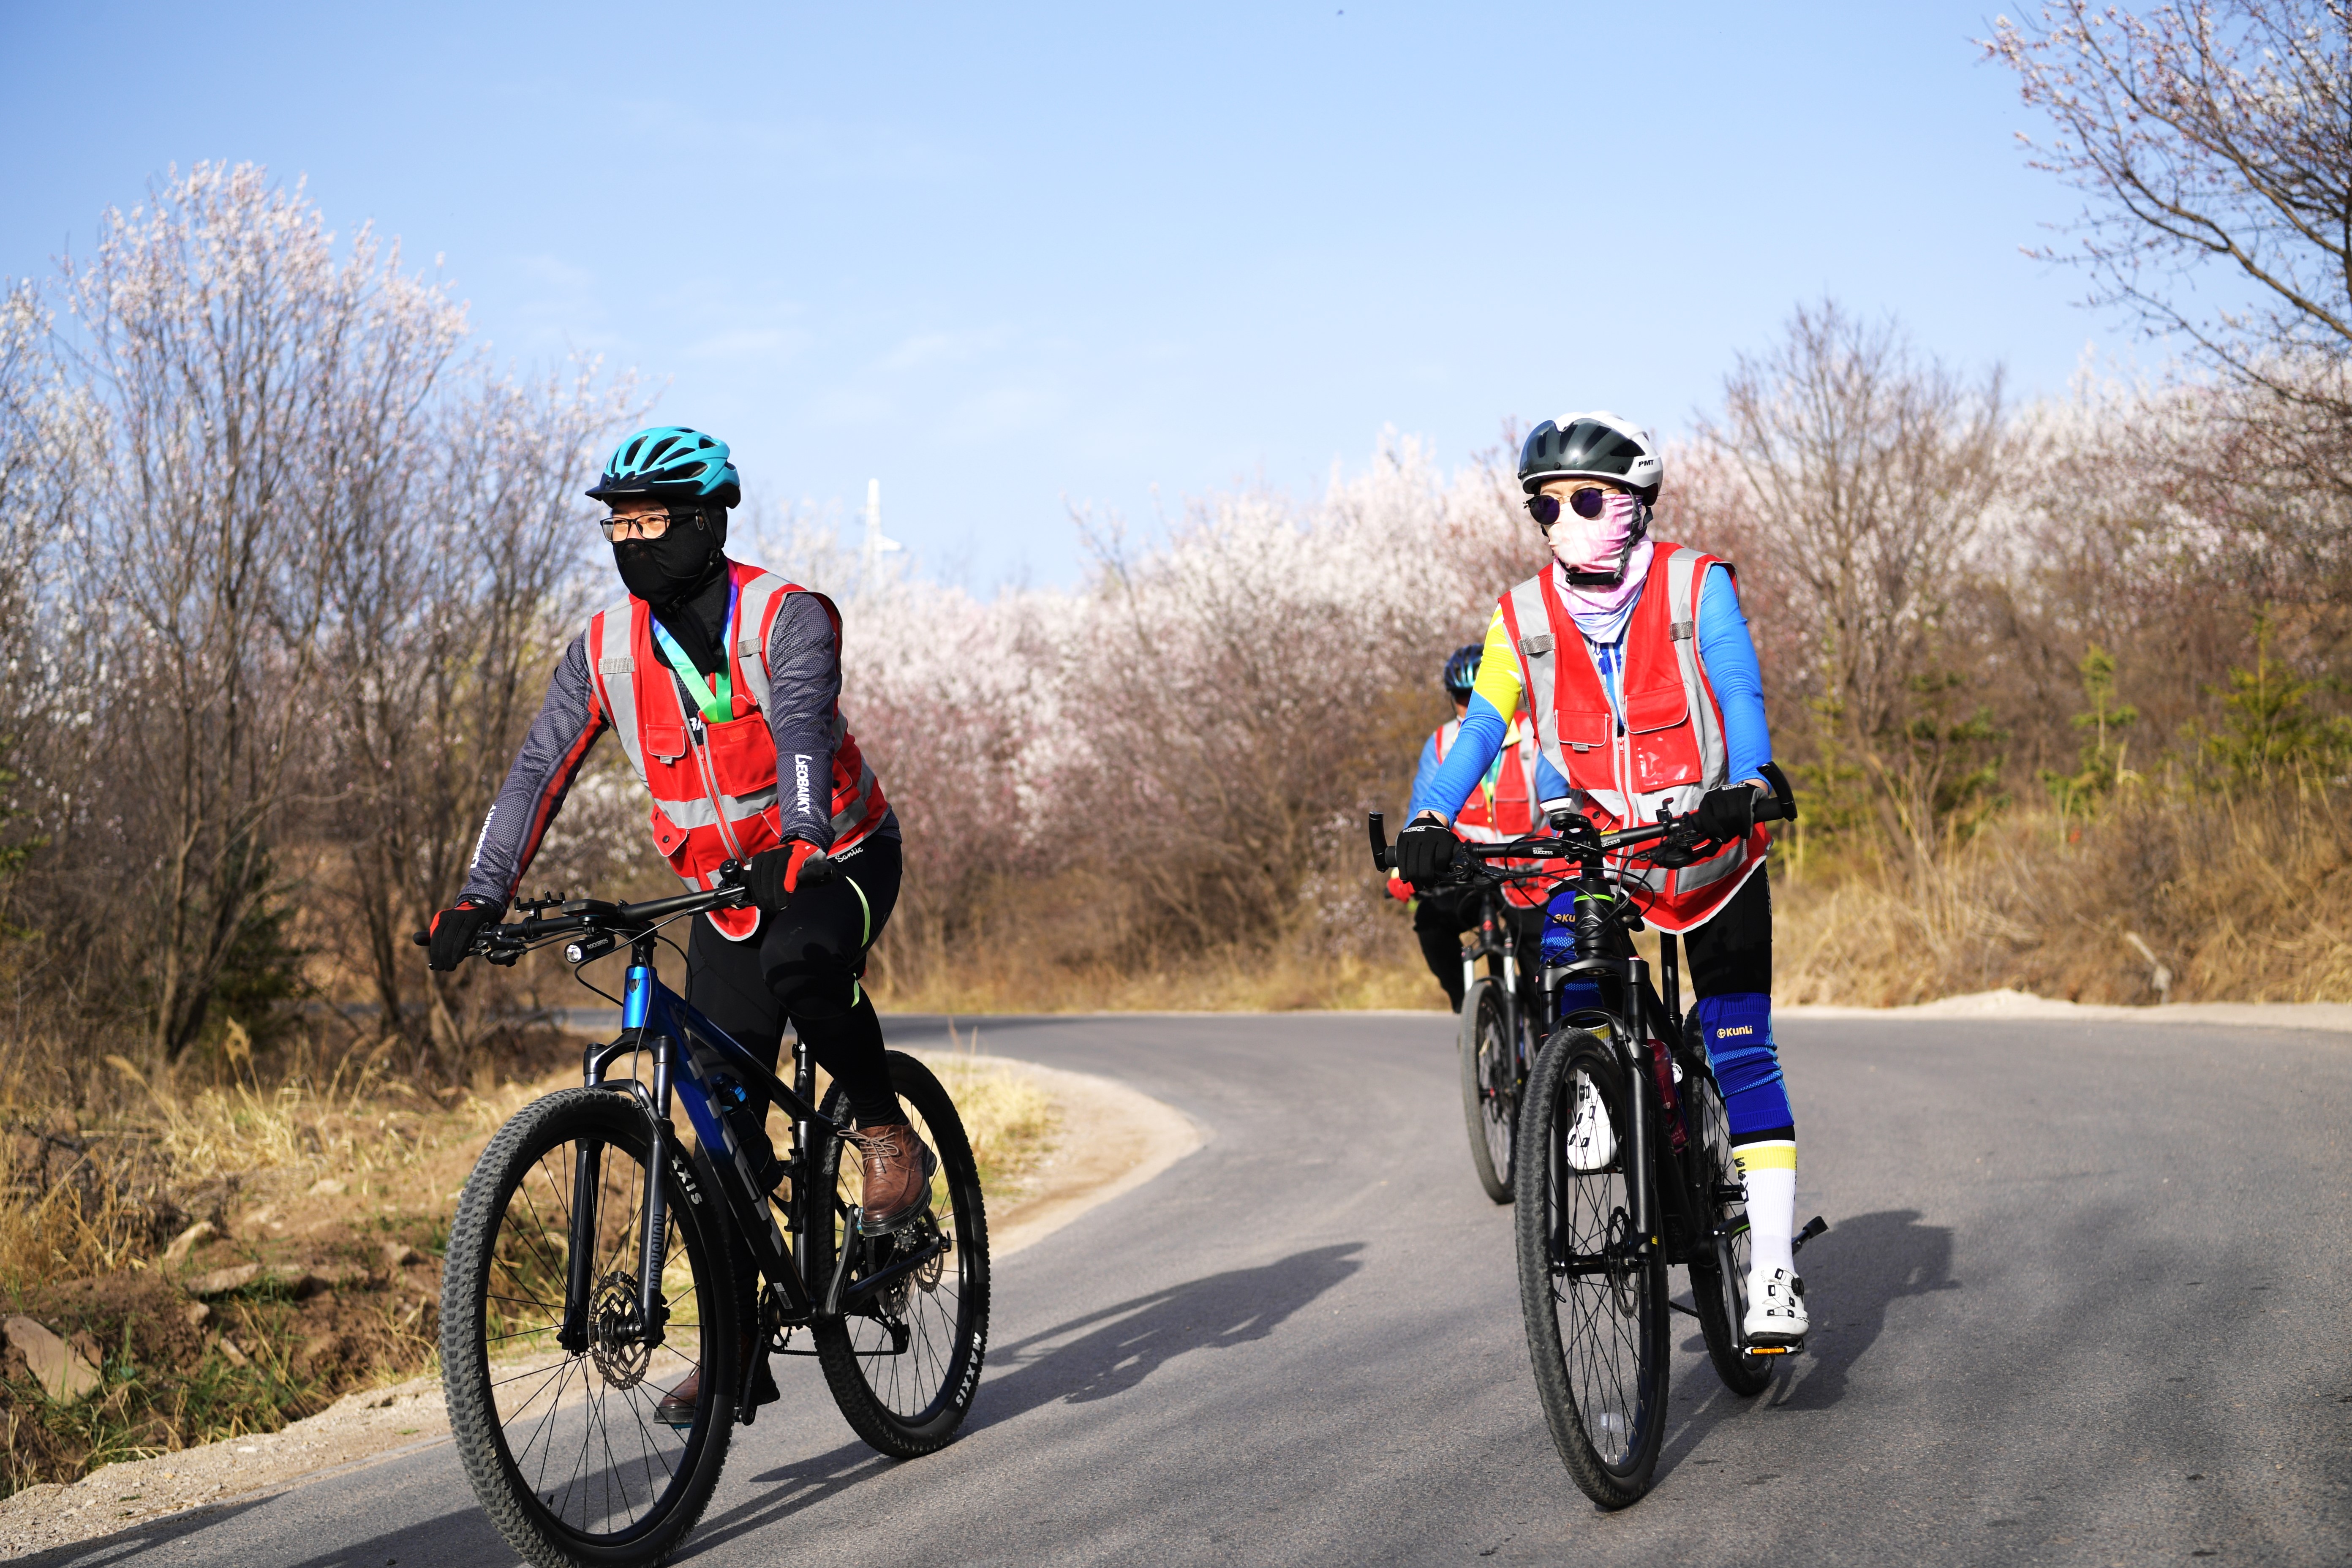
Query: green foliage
x=2102, y=772
x=2268, y=730
x=1953, y=770
x=12, y=856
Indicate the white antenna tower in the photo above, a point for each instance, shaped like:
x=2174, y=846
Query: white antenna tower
x=875, y=545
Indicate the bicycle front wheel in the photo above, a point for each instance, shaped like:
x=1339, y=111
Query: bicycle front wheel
x=1718, y=1275
x=1490, y=1089
x=563, y=1444
x=1591, y=1288
x=903, y=1359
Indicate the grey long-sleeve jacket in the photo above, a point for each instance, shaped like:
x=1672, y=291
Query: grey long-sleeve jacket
x=804, y=686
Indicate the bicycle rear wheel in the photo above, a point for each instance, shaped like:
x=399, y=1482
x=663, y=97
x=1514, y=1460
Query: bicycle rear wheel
x=1490, y=1089
x=562, y=1444
x=1593, y=1290
x=1719, y=1288
x=903, y=1361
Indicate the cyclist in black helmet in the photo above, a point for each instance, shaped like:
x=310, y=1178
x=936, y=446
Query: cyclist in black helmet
x=1501, y=807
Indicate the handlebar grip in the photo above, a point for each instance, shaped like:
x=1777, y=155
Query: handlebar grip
x=1382, y=860
x=420, y=938
x=1782, y=806
x=816, y=870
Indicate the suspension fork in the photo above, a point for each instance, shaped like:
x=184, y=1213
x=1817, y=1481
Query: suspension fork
x=1640, y=1188
x=804, y=1211
x=587, y=1175
x=653, y=1208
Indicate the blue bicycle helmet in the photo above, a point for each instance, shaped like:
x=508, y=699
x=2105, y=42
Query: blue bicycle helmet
x=674, y=463
x=1462, y=671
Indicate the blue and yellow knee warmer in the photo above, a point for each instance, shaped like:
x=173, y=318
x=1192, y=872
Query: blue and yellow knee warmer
x=1738, y=1028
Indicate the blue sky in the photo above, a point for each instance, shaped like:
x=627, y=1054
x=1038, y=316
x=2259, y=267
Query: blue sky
x=1010, y=260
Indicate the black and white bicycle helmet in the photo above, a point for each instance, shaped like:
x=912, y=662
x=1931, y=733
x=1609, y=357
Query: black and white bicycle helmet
x=1595, y=446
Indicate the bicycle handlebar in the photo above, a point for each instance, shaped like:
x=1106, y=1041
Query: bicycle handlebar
x=508, y=942
x=1577, y=840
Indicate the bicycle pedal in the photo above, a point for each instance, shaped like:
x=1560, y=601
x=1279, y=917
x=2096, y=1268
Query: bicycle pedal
x=1774, y=1350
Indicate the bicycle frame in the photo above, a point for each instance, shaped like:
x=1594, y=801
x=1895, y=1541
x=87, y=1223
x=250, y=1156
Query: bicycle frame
x=689, y=1051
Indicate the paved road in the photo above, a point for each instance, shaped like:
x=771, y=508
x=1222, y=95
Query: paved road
x=2084, y=1301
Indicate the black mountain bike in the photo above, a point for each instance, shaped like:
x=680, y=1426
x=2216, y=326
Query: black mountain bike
x=596, y=1262
x=1623, y=1134
x=1505, y=1016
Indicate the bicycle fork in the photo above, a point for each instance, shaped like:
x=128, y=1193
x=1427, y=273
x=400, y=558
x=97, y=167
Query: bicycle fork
x=653, y=1237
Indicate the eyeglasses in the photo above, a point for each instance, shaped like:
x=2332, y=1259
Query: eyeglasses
x=636, y=525
x=1586, y=501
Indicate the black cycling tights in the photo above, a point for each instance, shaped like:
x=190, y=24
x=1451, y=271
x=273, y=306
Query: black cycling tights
x=805, y=966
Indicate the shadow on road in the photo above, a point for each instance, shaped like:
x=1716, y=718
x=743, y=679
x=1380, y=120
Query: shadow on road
x=1878, y=1259
x=1115, y=1348
x=1119, y=1347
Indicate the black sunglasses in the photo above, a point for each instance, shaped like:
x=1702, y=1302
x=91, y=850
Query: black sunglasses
x=1587, y=501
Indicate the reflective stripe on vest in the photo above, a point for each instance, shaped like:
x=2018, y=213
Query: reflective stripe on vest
x=1603, y=786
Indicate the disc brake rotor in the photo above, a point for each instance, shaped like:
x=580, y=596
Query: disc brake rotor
x=617, y=1331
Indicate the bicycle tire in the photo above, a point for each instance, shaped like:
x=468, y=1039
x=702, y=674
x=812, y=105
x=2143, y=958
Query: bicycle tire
x=1593, y=1295
x=1489, y=1094
x=928, y=1388
x=503, y=1284
x=1718, y=1288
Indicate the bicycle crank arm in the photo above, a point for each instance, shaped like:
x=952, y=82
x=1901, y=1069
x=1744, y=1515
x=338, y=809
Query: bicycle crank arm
x=874, y=1281
x=850, y=1242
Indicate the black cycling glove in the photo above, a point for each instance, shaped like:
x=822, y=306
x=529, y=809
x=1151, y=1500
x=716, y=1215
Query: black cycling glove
x=453, y=931
x=1424, y=853
x=1728, y=812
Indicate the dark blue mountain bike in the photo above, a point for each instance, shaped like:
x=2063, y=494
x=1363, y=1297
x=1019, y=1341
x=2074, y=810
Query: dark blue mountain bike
x=598, y=1263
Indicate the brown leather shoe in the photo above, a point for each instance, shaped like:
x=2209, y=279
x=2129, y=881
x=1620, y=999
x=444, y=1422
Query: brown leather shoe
x=899, y=1170
x=675, y=1409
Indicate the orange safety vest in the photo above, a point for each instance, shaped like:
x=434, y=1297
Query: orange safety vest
x=1508, y=810
x=1667, y=751
x=714, y=784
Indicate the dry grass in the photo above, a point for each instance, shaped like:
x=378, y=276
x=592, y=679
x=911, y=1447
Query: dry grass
x=1009, y=1121
x=1278, y=977
x=319, y=1170
x=2221, y=898
x=2206, y=899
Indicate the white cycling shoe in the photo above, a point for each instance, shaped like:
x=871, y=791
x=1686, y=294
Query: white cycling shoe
x=1592, y=1140
x=1775, y=1308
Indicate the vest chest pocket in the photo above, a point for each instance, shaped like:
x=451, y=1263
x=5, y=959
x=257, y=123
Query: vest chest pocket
x=1664, y=744
x=1584, y=729
x=743, y=756
x=666, y=742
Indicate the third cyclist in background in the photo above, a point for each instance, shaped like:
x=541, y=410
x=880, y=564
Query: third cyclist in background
x=1636, y=667
x=1502, y=807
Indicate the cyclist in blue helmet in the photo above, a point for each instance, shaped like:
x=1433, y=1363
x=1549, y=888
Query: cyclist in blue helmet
x=722, y=683
x=1501, y=806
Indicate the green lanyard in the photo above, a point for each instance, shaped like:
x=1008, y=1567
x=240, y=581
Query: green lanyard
x=716, y=698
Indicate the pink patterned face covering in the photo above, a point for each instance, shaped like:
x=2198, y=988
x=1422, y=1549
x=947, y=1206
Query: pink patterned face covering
x=1597, y=547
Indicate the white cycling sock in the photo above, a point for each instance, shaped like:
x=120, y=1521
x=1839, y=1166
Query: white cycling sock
x=1771, y=1172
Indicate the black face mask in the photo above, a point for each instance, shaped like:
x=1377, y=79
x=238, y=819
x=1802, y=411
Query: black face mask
x=683, y=561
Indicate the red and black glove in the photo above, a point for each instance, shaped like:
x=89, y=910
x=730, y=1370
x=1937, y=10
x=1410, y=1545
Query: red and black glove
x=774, y=875
x=451, y=935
